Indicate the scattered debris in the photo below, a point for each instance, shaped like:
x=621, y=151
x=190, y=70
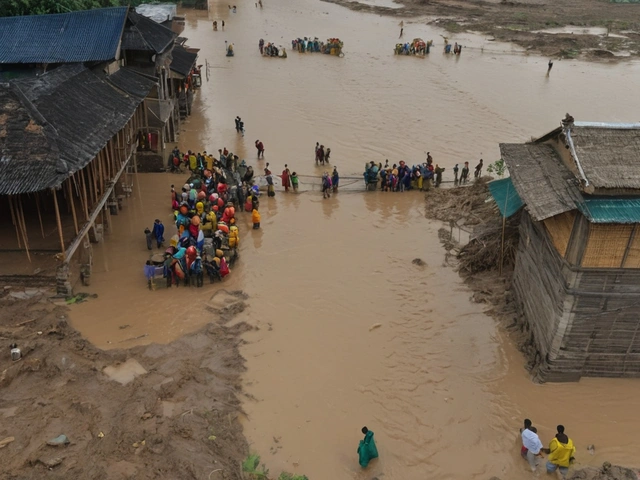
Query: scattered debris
x=6, y=441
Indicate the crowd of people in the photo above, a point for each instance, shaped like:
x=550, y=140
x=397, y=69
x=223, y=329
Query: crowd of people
x=271, y=50
x=400, y=177
x=207, y=234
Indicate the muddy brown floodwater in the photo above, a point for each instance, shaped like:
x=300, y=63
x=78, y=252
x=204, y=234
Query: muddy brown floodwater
x=439, y=383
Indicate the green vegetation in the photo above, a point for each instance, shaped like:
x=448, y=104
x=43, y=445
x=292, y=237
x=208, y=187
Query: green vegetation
x=10, y=8
x=291, y=476
x=251, y=466
x=498, y=167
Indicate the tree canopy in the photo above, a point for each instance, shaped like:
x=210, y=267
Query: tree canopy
x=10, y=8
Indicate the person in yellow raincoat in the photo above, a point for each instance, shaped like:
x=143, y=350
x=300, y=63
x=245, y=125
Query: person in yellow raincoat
x=234, y=237
x=561, y=451
x=255, y=218
x=193, y=161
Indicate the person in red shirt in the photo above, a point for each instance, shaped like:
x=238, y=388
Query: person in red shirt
x=260, y=148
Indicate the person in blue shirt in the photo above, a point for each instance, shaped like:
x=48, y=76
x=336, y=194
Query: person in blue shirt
x=158, y=232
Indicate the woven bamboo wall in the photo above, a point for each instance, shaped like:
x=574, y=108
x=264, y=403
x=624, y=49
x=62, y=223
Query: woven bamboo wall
x=559, y=228
x=606, y=245
x=584, y=321
x=633, y=254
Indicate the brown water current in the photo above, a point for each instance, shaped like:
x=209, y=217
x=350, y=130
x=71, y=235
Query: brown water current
x=437, y=381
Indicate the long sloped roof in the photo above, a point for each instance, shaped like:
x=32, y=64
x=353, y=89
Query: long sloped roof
x=83, y=36
x=543, y=182
x=142, y=33
x=54, y=125
x=609, y=155
x=182, y=60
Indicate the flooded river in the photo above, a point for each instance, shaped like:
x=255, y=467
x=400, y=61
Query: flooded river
x=439, y=383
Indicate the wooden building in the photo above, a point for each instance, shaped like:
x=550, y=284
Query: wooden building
x=577, y=274
x=67, y=138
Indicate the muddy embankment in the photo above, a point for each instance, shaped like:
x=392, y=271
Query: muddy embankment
x=155, y=411
x=599, y=30
x=486, y=263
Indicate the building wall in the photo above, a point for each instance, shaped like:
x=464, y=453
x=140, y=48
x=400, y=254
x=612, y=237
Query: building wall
x=584, y=321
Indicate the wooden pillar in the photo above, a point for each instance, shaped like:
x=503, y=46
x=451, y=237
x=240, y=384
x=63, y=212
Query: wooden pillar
x=73, y=206
x=23, y=227
x=14, y=219
x=58, y=221
x=85, y=206
x=39, y=214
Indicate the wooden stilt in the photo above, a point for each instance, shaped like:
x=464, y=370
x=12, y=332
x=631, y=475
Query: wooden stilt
x=85, y=204
x=14, y=219
x=23, y=227
x=73, y=206
x=58, y=221
x=39, y=214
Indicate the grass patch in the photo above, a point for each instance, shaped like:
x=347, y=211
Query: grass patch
x=251, y=466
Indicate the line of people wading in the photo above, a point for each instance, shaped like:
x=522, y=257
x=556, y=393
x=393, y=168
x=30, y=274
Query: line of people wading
x=400, y=177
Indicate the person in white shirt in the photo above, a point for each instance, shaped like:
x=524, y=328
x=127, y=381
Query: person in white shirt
x=532, y=443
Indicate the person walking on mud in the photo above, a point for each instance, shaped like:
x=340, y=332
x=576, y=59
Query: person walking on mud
x=401, y=28
x=478, y=171
x=464, y=175
x=550, y=67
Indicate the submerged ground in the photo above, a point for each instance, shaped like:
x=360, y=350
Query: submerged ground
x=438, y=378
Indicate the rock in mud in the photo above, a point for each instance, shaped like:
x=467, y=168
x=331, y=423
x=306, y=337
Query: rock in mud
x=419, y=262
x=59, y=440
x=50, y=462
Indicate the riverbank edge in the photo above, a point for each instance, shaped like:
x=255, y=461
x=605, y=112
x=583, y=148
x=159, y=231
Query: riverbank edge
x=521, y=24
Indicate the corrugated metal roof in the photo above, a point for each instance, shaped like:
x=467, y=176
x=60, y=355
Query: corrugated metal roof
x=611, y=210
x=84, y=36
x=506, y=196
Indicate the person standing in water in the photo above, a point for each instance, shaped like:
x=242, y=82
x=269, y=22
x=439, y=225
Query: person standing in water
x=286, y=174
x=260, y=148
x=532, y=443
x=335, y=179
x=455, y=174
x=401, y=28
x=561, y=451
x=549, y=67
x=367, y=449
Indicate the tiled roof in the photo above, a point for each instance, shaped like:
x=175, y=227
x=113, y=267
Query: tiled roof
x=131, y=82
x=183, y=60
x=56, y=124
x=83, y=36
x=142, y=33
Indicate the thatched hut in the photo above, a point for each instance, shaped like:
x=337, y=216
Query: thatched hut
x=577, y=274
